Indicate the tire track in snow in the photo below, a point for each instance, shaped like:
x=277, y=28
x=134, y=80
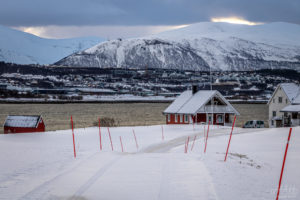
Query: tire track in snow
x=94, y=178
x=40, y=191
x=170, y=144
x=165, y=186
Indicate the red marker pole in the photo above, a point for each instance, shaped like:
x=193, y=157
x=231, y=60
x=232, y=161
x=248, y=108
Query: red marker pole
x=162, y=133
x=137, y=146
x=100, y=136
x=193, y=123
x=229, y=138
x=193, y=142
x=74, y=148
x=111, y=144
x=121, y=144
x=206, y=137
x=187, y=144
x=284, y=158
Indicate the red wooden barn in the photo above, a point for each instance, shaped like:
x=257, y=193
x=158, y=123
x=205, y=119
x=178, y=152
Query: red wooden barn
x=24, y=124
x=199, y=107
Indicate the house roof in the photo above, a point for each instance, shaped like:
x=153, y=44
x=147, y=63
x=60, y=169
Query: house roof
x=291, y=108
x=187, y=103
x=297, y=99
x=23, y=121
x=291, y=90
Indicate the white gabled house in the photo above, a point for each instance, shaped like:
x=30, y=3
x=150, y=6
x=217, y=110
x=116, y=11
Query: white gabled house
x=284, y=106
x=197, y=107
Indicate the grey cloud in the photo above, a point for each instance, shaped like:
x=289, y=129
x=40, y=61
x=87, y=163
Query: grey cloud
x=142, y=12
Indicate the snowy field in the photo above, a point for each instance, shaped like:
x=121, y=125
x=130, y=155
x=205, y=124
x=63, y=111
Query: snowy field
x=42, y=166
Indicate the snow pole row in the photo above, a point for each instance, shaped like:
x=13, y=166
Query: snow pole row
x=162, y=133
x=74, y=148
x=283, y=163
x=229, y=138
x=136, y=144
x=186, y=146
x=206, y=137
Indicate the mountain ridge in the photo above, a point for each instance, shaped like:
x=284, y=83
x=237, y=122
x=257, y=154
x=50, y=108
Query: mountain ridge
x=24, y=48
x=219, y=46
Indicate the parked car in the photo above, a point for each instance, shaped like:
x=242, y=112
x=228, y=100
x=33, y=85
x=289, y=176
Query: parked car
x=254, y=124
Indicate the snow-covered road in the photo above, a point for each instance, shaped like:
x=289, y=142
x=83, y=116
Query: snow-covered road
x=41, y=166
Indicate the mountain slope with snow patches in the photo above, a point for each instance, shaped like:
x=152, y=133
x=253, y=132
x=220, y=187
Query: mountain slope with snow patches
x=221, y=46
x=23, y=48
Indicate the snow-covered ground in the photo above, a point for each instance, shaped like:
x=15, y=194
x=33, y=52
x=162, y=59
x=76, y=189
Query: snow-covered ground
x=42, y=166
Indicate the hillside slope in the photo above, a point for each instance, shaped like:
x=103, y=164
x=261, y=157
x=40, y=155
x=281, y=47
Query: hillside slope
x=221, y=46
x=23, y=48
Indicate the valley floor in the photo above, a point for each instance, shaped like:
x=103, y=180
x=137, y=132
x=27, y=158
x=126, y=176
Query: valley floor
x=42, y=166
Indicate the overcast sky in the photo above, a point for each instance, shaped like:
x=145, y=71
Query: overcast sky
x=131, y=18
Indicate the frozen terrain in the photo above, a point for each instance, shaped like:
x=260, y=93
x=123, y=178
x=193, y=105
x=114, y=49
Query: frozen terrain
x=24, y=48
x=221, y=46
x=41, y=165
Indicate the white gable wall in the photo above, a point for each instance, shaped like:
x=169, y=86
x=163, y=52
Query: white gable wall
x=274, y=104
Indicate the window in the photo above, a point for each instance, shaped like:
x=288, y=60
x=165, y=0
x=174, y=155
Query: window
x=279, y=99
x=181, y=118
x=272, y=122
x=286, y=101
x=294, y=115
x=186, y=118
x=169, y=118
x=260, y=122
x=219, y=119
x=274, y=113
x=209, y=119
x=274, y=100
x=176, y=118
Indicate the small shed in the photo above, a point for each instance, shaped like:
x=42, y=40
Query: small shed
x=200, y=107
x=24, y=124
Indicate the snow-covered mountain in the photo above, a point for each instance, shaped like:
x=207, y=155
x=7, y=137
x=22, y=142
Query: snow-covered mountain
x=23, y=48
x=222, y=46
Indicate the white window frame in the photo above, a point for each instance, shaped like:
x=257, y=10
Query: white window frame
x=176, y=118
x=169, y=117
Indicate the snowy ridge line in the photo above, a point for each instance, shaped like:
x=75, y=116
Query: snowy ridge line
x=94, y=178
x=42, y=188
x=220, y=46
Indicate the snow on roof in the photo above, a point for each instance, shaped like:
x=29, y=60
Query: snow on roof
x=291, y=108
x=187, y=103
x=297, y=99
x=95, y=90
x=291, y=90
x=179, y=102
x=22, y=121
x=197, y=101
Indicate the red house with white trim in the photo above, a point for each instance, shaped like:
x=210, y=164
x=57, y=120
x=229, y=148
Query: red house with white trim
x=24, y=124
x=199, y=107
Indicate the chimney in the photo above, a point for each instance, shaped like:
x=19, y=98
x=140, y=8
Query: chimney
x=194, y=89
